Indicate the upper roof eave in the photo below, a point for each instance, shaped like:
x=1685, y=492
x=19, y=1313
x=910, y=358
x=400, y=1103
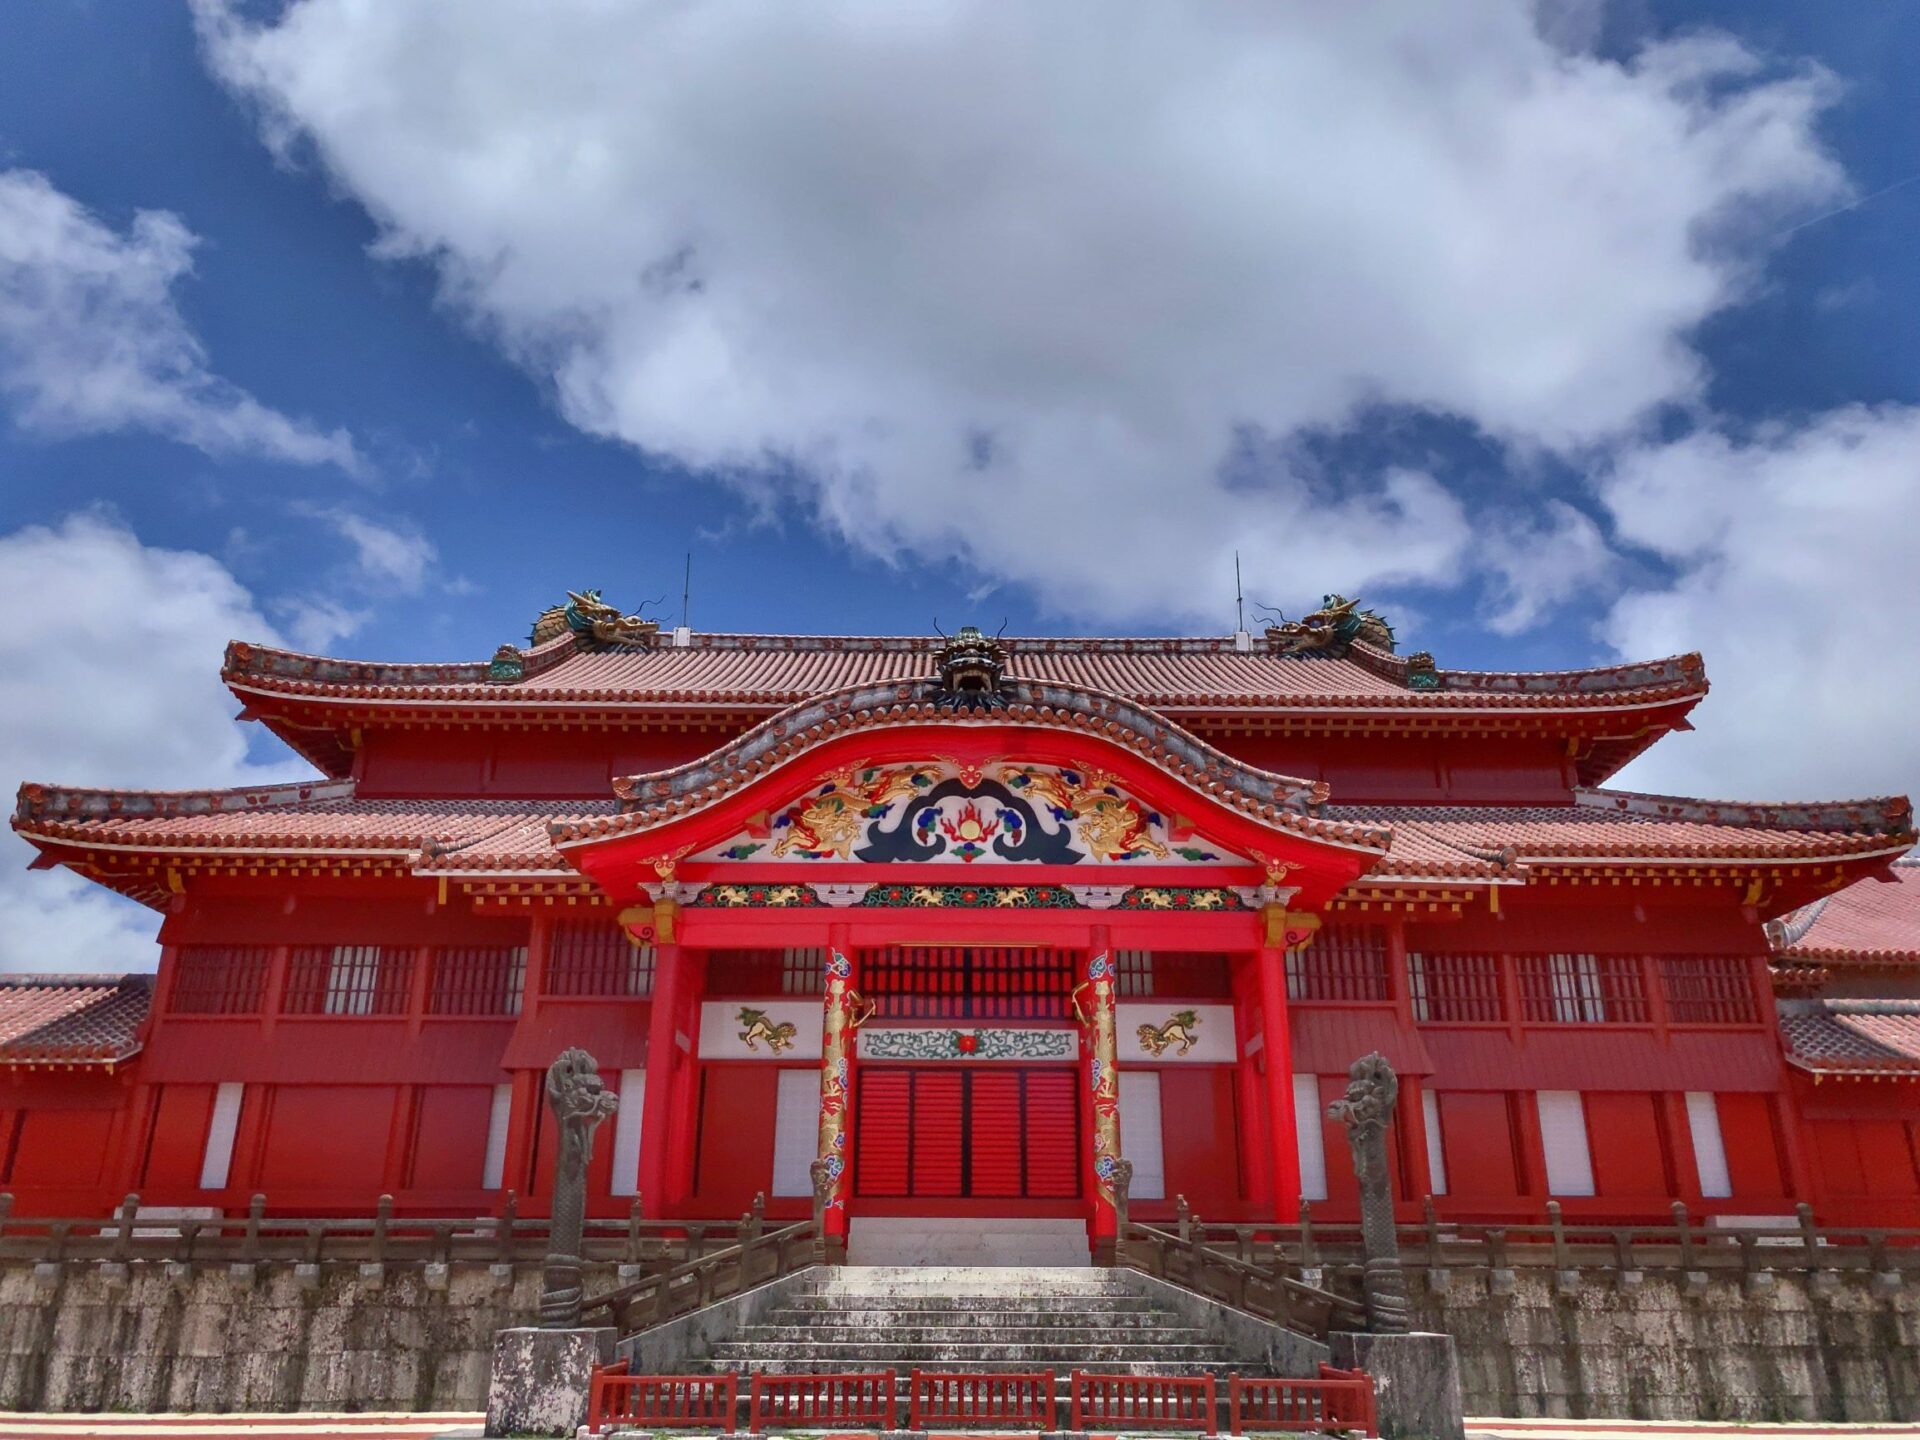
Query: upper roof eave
x=271, y=675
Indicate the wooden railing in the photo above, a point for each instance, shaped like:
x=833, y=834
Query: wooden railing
x=380, y=1238
x=1685, y=1246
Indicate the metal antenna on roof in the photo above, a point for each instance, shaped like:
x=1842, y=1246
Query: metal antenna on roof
x=686, y=589
x=1239, y=597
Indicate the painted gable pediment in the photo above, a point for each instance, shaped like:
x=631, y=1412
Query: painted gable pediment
x=998, y=814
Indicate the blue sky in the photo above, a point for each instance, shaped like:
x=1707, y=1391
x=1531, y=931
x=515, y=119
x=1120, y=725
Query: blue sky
x=1562, y=333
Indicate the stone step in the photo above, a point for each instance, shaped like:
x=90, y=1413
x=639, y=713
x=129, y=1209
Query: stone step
x=874, y=1321
x=962, y=1353
x=883, y=1338
x=1218, y=1368
x=1051, y=1304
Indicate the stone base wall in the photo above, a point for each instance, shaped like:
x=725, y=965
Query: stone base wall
x=1665, y=1350
x=151, y=1336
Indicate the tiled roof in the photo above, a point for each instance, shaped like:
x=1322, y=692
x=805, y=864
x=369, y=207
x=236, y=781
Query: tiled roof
x=71, y=1019
x=766, y=672
x=1852, y=1037
x=1427, y=842
x=1872, y=922
x=1605, y=825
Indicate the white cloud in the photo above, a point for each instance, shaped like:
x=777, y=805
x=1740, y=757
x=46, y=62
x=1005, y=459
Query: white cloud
x=109, y=675
x=398, y=560
x=1794, y=555
x=1021, y=285
x=92, y=341
x=1534, y=566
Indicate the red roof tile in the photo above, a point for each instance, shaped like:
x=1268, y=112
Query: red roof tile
x=1852, y=1037
x=71, y=1019
x=1872, y=922
x=763, y=672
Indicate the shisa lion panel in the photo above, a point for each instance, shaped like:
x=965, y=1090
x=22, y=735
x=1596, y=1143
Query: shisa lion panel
x=998, y=814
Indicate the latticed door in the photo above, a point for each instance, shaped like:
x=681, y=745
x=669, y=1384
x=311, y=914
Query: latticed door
x=933, y=1133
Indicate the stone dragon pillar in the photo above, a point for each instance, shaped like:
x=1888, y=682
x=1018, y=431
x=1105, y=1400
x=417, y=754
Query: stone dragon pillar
x=1366, y=1111
x=580, y=1102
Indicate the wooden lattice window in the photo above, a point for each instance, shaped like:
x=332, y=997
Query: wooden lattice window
x=477, y=980
x=1452, y=989
x=1345, y=964
x=803, y=970
x=597, y=958
x=1133, y=973
x=963, y=982
x=1709, y=989
x=348, y=980
x=219, y=979
x=1579, y=989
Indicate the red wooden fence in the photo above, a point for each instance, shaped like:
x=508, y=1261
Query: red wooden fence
x=1338, y=1400
x=1015, y=1400
x=670, y=1402
x=1142, y=1402
x=810, y=1402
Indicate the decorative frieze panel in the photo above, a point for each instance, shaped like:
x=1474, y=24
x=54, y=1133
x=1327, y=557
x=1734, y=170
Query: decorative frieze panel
x=760, y=1030
x=1172, y=1032
x=985, y=1043
x=998, y=814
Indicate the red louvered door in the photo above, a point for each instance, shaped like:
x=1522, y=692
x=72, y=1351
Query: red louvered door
x=950, y=1133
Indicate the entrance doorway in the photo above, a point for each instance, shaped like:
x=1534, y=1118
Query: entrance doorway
x=949, y=1133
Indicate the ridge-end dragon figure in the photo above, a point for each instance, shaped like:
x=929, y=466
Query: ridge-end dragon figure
x=1331, y=630
x=591, y=618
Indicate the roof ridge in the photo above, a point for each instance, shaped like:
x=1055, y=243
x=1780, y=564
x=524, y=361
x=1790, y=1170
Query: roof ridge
x=74, y=979
x=1877, y=814
x=36, y=800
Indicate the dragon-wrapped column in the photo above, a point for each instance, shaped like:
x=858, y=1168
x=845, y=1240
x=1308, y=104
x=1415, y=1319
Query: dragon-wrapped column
x=1093, y=1000
x=840, y=1025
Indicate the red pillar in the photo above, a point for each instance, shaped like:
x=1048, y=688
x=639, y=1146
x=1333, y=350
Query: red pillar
x=1283, y=1140
x=1258, y=1158
x=683, y=1116
x=656, y=1106
x=1100, y=1054
x=840, y=1023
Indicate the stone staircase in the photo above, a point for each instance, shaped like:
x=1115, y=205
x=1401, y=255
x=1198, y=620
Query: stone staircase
x=883, y=1317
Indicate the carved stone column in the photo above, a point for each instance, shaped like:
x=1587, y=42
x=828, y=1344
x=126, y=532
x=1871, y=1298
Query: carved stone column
x=1366, y=1111
x=580, y=1102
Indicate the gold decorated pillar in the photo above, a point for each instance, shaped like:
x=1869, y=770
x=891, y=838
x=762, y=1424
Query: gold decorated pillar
x=844, y=1012
x=1093, y=1000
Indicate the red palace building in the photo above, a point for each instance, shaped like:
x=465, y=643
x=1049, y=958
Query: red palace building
x=969, y=919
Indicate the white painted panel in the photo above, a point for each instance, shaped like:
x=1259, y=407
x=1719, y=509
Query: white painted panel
x=493, y=1168
x=218, y=1159
x=1313, y=1149
x=1709, y=1149
x=1140, y=1137
x=796, y=1132
x=626, y=1132
x=1436, y=1152
x=1155, y=1034
x=1563, y=1135
x=758, y=1029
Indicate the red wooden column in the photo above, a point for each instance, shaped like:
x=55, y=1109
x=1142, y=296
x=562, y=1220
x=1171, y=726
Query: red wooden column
x=840, y=1024
x=657, y=1131
x=1100, y=1068
x=1283, y=1140
x=1247, y=1084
